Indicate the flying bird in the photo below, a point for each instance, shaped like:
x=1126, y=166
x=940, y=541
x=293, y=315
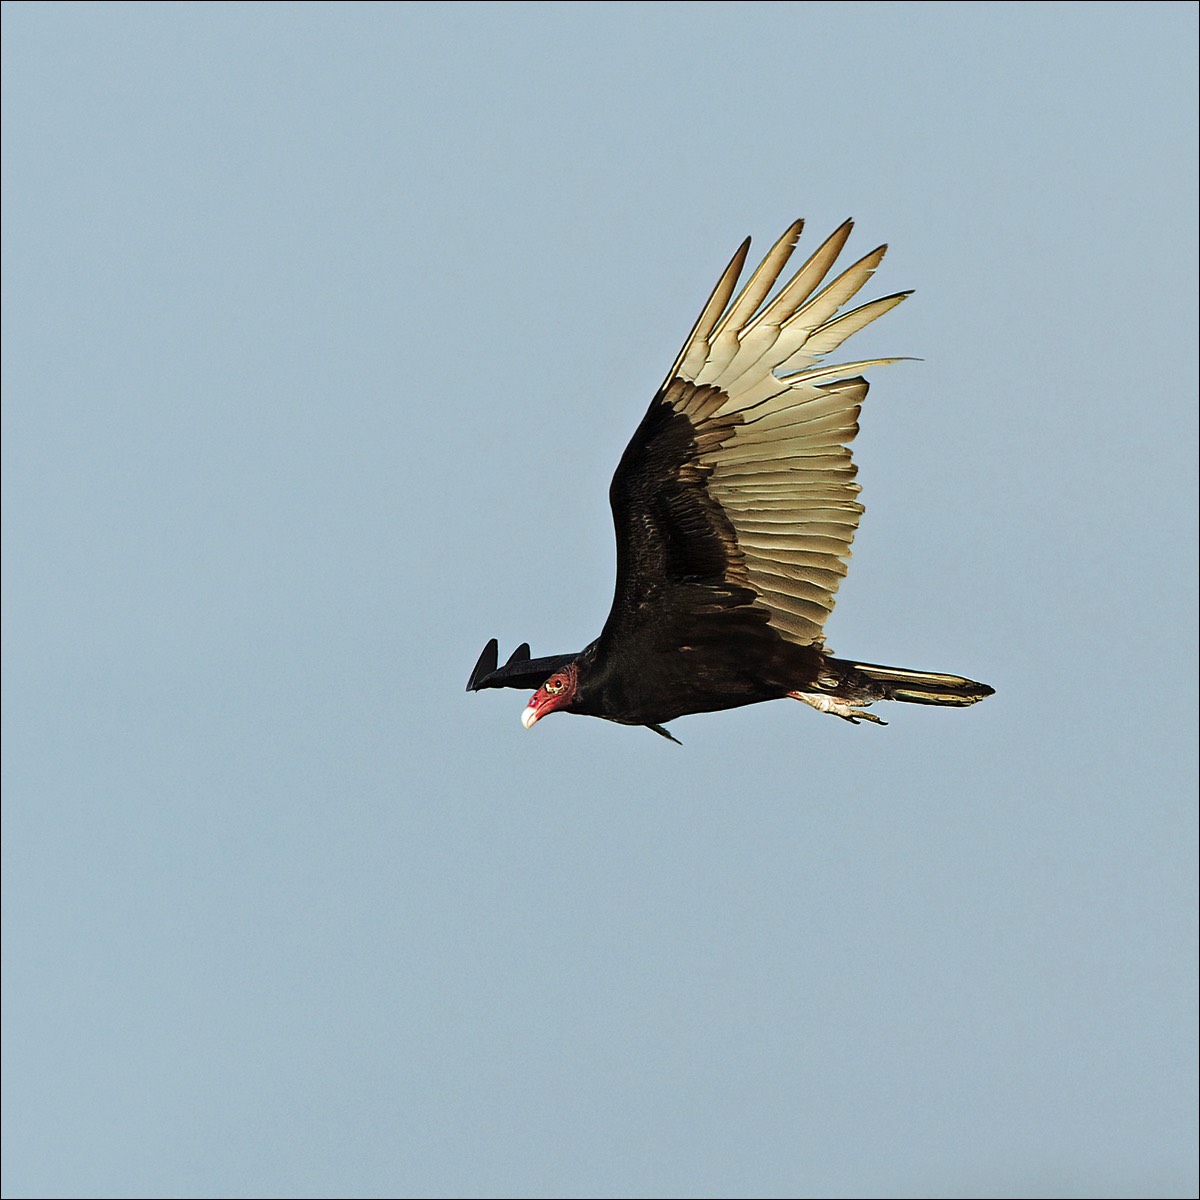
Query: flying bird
x=735, y=506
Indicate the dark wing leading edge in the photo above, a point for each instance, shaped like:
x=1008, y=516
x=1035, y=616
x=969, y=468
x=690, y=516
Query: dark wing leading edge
x=735, y=503
x=520, y=671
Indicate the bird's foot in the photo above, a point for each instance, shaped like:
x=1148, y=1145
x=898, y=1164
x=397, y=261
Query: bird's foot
x=847, y=710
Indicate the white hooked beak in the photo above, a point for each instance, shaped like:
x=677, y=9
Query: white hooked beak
x=529, y=716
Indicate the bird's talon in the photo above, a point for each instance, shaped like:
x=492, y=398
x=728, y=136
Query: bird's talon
x=848, y=710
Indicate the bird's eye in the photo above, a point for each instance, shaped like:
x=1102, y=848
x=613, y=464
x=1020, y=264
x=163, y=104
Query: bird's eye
x=555, y=685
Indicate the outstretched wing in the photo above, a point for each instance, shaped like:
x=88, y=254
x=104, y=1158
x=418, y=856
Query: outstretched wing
x=735, y=503
x=520, y=671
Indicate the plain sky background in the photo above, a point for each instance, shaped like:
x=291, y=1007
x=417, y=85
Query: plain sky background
x=324, y=328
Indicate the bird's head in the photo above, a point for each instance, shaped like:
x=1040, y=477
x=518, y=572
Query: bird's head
x=557, y=692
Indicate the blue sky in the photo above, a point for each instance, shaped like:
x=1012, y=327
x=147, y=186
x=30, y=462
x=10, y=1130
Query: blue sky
x=324, y=328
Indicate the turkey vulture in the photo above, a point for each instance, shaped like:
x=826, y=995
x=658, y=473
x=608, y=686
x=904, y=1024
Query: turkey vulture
x=735, y=506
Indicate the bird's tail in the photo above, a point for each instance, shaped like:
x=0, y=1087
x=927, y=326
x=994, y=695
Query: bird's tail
x=921, y=687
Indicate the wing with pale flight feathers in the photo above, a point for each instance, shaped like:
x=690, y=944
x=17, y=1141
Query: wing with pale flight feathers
x=735, y=503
